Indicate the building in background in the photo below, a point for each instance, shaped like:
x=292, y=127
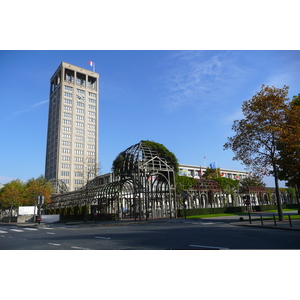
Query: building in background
x=184, y=170
x=198, y=171
x=72, y=138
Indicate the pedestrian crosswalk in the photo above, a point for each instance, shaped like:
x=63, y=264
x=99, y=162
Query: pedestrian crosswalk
x=7, y=230
x=17, y=230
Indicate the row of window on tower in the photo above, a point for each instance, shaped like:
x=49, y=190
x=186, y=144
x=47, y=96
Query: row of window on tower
x=80, y=79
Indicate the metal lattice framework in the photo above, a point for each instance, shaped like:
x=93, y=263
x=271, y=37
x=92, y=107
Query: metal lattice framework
x=260, y=192
x=58, y=186
x=204, y=194
x=144, y=186
x=208, y=193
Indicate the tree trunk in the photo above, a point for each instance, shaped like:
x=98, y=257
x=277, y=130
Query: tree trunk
x=9, y=214
x=297, y=198
x=279, y=207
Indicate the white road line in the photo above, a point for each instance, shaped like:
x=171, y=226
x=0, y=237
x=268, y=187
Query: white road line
x=30, y=228
x=209, y=247
x=1, y=231
x=50, y=232
x=211, y=223
x=54, y=244
x=17, y=230
x=80, y=248
x=102, y=237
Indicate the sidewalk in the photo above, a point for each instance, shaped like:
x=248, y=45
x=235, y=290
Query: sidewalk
x=87, y=223
x=232, y=220
x=116, y=222
x=256, y=222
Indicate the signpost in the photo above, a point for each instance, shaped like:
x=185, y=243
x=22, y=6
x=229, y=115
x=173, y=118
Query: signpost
x=40, y=202
x=247, y=202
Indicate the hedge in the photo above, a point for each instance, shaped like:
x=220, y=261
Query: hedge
x=228, y=210
x=272, y=207
x=209, y=211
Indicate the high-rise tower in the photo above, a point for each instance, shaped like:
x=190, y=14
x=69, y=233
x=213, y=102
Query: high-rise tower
x=72, y=140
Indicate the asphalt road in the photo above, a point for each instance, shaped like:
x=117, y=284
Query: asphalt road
x=172, y=234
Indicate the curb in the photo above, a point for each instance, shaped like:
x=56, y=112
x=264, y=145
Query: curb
x=267, y=226
x=108, y=224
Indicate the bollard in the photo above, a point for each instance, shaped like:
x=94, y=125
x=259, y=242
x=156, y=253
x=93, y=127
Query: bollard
x=261, y=219
x=290, y=220
x=249, y=217
x=274, y=220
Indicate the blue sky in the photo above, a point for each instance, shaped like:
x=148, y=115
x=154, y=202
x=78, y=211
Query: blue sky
x=186, y=100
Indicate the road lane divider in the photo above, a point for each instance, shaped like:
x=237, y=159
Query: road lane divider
x=80, y=248
x=209, y=247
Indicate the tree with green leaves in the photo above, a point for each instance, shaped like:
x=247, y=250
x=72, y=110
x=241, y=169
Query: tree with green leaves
x=184, y=183
x=164, y=152
x=210, y=173
x=229, y=186
x=255, y=180
x=257, y=134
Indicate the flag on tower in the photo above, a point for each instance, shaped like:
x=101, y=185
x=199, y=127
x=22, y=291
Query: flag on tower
x=213, y=165
x=90, y=63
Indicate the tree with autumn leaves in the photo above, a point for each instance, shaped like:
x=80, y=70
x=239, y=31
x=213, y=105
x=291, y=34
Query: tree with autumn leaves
x=266, y=131
x=17, y=193
x=289, y=146
x=11, y=195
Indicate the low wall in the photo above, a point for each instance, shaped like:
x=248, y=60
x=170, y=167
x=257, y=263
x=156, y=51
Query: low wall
x=50, y=218
x=29, y=218
x=26, y=218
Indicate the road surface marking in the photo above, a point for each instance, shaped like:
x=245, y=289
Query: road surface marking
x=50, y=233
x=1, y=231
x=209, y=247
x=211, y=223
x=30, y=228
x=17, y=230
x=81, y=248
x=102, y=237
x=54, y=244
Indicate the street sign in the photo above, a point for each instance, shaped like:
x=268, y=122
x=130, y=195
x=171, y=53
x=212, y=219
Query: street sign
x=39, y=219
x=247, y=202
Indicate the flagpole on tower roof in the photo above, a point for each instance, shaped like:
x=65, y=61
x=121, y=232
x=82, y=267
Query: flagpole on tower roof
x=92, y=64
